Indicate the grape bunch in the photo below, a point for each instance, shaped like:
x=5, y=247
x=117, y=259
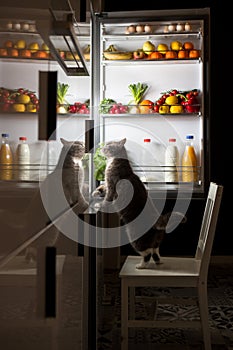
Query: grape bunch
x=108, y=105
x=79, y=108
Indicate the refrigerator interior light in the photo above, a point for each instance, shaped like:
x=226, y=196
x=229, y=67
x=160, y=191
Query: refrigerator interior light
x=64, y=46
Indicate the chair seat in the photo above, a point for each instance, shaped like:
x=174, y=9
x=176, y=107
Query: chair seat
x=172, y=272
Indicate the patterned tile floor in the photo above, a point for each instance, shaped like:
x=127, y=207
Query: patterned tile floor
x=220, y=292
x=68, y=335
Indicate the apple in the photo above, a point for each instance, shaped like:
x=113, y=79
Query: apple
x=62, y=54
x=138, y=54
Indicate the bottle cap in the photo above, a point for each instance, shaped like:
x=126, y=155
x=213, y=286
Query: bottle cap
x=172, y=139
x=5, y=135
x=189, y=137
x=22, y=138
x=147, y=140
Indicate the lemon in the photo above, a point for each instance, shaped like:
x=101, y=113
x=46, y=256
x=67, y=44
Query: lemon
x=162, y=48
x=164, y=109
x=23, y=99
x=176, y=109
x=20, y=44
x=176, y=45
x=30, y=107
x=18, y=107
x=34, y=47
x=171, y=100
x=44, y=47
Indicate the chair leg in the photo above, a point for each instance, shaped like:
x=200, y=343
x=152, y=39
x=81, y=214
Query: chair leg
x=124, y=315
x=204, y=314
x=132, y=303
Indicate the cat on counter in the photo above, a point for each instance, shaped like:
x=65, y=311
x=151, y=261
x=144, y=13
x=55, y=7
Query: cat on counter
x=62, y=189
x=129, y=196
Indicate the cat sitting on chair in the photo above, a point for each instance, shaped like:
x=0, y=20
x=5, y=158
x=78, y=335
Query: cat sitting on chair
x=125, y=191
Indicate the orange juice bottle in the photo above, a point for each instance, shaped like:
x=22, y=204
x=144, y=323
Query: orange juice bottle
x=189, y=161
x=6, y=159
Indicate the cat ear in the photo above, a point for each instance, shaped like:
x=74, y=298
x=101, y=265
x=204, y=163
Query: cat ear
x=123, y=141
x=63, y=141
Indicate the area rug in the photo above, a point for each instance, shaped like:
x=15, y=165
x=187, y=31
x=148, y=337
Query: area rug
x=220, y=293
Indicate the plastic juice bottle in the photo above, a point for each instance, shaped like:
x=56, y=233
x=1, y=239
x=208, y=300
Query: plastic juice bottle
x=171, y=161
x=6, y=159
x=189, y=161
x=23, y=159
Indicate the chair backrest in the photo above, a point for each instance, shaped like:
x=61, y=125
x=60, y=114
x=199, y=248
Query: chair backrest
x=208, y=227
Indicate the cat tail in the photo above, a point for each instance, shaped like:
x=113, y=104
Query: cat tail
x=170, y=221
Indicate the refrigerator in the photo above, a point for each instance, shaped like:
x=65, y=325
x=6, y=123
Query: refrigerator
x=124, y=62
x=99, y=60
x=120, y=34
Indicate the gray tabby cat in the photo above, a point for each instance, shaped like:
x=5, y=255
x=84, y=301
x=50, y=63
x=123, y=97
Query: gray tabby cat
x=131, y=201
x=63, y=188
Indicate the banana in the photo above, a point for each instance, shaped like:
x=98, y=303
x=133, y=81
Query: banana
x=118, y=55
x=111, y=48
x=86, y=52
x=113, y=54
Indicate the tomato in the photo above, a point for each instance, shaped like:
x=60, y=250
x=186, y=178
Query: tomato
x=160, y=101
x=189, y=95
x=192, y=108
x=156, y=108
x=192, y=100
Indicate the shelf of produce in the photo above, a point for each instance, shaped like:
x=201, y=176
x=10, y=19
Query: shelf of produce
x=151, y=62
x=60, y=115
x=152, y=115
x=32, y=60
x=151, y=36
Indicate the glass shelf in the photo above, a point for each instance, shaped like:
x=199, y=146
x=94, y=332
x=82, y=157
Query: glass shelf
x=150, y=36
x=152, y=62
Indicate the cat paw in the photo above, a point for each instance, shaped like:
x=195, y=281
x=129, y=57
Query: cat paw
x=159, y=262
x=30, y=255
x=97, y=205
x=99, y=191
x=141, y=266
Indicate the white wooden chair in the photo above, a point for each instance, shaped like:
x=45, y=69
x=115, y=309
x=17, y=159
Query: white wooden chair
x=174, y=272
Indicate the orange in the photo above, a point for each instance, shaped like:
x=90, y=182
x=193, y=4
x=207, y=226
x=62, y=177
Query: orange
x=40, y=54
x=145, y=106
x=8, y=43
x=155, y=55
x=25, y=53
x=3, y=52
x=188, y=45
x=194, y=53
x=171, y=54
x=183, y=54
x=13, y=52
